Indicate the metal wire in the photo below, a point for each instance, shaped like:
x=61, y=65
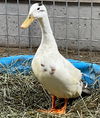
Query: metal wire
x=91, y=31
x=54, y=17
x=66, y=27
x=78, y=42
x=18, y=27
x=29, y=29
x=7, y=26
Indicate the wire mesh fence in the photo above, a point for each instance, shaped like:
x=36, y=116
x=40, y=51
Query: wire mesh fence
x=75, y=24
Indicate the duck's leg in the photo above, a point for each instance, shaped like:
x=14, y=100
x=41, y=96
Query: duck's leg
x=63, y=109
x=53, y=108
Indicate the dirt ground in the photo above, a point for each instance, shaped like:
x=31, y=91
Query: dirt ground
x=90, y=56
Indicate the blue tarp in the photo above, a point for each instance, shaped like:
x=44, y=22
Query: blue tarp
x=22, y=64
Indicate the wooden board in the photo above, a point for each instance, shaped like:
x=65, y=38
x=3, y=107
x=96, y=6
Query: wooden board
x=84, y=1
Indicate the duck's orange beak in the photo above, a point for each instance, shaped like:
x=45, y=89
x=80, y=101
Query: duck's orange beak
x=27, y=22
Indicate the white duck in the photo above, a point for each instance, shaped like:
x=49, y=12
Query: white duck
x=57, y=75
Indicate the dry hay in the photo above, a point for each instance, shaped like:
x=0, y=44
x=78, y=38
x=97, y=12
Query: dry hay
x=21, y=96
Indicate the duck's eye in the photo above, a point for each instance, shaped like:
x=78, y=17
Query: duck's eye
x=38, y=8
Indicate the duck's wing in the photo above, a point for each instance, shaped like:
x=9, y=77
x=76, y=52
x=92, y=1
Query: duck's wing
x=76, y=76
x=76, y=73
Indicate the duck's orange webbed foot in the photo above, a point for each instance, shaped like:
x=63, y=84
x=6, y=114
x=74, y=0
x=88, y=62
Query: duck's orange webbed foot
x=54, y=111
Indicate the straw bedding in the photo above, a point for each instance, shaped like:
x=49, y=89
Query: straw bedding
x=21, y=96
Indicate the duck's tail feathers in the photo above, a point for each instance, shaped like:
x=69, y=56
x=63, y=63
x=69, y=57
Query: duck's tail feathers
x=86, y=89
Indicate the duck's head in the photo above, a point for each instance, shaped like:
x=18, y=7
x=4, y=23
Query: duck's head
x=37, y=11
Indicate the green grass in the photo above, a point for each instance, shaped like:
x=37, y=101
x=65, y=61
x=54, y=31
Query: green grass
x=21, y=96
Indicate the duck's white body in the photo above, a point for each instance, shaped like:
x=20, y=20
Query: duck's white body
x=57, y=75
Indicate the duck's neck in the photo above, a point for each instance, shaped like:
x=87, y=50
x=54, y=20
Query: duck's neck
x=45, y=25
x=47, y=35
